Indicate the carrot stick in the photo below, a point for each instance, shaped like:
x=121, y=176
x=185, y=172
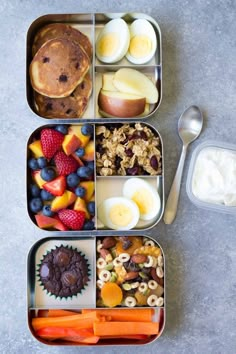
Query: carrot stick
x=125, y=328
x=59, y=313
x=125, y=315
x=131, y=336
x=88, y=340
x=52, y=333
x=79, y=320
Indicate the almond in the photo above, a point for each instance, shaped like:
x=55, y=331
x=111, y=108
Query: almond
x=108, y=242
x=131, y=275
x=139, y=258
x=106, y=255
x=160, y=281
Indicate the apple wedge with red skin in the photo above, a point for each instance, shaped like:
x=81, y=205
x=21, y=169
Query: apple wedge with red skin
x=121, y=104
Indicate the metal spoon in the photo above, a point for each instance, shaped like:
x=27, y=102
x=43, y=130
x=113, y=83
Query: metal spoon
x=189, y=128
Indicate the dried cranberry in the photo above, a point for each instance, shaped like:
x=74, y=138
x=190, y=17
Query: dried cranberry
x=143, y=135
x=129, y=152
x=154, y=162
x=117, y=162
x=132, y=171
x=100, y=149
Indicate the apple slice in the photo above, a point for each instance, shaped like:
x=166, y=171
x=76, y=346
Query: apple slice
x=121, y=104
x=134, y=82
x=107, y=82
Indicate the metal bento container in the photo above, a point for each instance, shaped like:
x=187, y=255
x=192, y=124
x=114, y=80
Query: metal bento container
x=39, y=301
x=108, y=186
x=90, y=25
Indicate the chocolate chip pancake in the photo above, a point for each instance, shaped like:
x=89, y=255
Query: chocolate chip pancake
x=72, y=106
x=61, y=30
x=58, y=67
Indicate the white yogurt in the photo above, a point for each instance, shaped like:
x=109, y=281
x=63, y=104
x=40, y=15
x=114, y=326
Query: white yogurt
x=214, y=176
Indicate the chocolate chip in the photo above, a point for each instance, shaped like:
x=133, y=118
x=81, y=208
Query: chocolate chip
x=46, y=60
x=63, y=78
x=48, y=106
x=77, y=65
x=69, y=110
x=118, y=161
x=63, y=104
x=69, y=278
x=82, y=86
x=62, y=258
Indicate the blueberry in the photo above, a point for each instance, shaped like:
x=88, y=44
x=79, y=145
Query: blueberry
x=84, y=172
x=62, y=128
x=88, y=225
x=91, y=208
x=80, y=192
x=45, y=195
x=87, y=129
x=42, y=162
x=34, y=190
x=90, y=164
x=35, y=205
x=48, y=173
x=80, y=152
x=47, y=211
x=33, y=164
x=72, y=180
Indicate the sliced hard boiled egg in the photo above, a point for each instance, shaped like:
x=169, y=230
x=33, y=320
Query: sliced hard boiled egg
x=144, y=195
x=118, y=213
x=143, y=42
x=113, y=41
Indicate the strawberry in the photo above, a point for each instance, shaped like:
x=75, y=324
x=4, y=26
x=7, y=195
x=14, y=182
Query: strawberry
x=65, y=164
x=57, y=186
x=51, y=141
x=72, y=218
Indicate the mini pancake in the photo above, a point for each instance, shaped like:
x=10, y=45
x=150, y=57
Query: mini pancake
x=58, y=67
x=72, y=106
x=61, y=30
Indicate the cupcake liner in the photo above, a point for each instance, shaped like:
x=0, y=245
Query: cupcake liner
x=69, y=270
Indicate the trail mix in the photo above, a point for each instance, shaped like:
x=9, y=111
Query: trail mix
x=124, y=149
x=129, y=272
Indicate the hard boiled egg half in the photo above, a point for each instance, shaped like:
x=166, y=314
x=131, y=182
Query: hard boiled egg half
x=118, y=213
x=143, y=42
x=113, y=41
x=144, y=195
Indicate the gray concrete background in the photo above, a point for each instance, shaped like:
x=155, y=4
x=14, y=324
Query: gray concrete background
x=199, y=51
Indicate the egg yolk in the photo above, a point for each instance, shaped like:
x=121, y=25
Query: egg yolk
x=108, y=44
x=120, y=215
x=140, y=46
x=144, y=201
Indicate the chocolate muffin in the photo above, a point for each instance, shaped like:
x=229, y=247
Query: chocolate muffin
x=64, y=272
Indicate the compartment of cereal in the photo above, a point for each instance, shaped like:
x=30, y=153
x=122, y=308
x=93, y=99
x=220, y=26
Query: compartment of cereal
x=127, y=39
x=61, y=273
x=125, y=92
x=60, y=177
x=130, y=272
x=131, y=149
x=59, y=66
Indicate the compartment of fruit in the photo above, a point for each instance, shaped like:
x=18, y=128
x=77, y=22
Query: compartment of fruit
x=130, y=272
x=61, y=187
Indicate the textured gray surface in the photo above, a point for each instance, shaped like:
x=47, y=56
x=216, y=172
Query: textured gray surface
x=199, y=51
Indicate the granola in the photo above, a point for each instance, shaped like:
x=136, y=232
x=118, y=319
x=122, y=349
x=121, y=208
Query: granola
x=124, y=149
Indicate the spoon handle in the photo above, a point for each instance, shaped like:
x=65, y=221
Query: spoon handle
x=172, y=201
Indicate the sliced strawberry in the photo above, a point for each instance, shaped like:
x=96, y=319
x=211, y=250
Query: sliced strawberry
x=57, y=186
x=72, y=218
x=51, y=142
x=65, y=164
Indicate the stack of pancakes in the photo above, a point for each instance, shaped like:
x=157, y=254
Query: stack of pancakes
x=59, y=71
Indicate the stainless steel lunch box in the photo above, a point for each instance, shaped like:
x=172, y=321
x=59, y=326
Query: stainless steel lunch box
x=38, y=300
x=90, y=24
